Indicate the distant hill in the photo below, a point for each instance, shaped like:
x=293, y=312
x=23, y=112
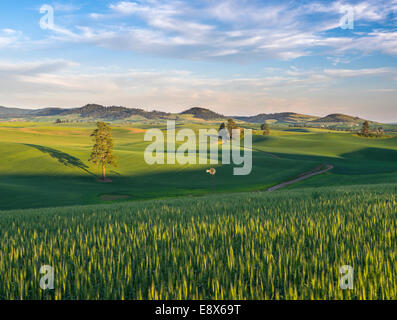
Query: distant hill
x=96, y=111
x=88, y=111
x=283, y=117
x=339, y=118
x=47, y=112
x=13, y=111
x=202, y=113
x=113, y=112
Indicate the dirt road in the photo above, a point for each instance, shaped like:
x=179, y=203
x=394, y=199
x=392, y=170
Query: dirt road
x=304, y=176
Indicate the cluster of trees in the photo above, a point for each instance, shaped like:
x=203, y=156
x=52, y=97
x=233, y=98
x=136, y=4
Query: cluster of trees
x=367, y=132
x=230, y=125
x=323, y=126
x=57, y=121
x=364, y=132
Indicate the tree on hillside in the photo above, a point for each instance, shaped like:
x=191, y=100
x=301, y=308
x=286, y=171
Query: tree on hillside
x=265, y=128
x=230, y=126
x=221, y=127
x=102, y=151
x=365, y=129
x=380, y=132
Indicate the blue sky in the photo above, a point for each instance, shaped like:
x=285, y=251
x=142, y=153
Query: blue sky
x=235, y=57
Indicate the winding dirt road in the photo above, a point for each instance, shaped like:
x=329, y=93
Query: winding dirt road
x=303, y=176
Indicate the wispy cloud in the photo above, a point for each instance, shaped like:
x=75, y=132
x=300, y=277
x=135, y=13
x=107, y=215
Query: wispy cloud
x=65, y=83
x=233, y=29
x=34, y=68
x=10, y=38
x=65, y=7
x=348, y=73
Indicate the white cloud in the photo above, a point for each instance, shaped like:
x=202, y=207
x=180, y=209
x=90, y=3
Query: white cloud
x=374, y=10
x=126, y=7
x=34, y=68
x=348, y=73
x=10, y=38
x=378, y=41
x=65, y=7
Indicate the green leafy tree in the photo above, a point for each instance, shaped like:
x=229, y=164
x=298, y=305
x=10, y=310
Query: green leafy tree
x=102, y=151
x=230, y=126
x=365, y=129
x=265, y=128
x=221, y=127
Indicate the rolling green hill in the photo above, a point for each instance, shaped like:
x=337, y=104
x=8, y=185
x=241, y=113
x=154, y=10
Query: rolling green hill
x=46, y=165
x=283, y=117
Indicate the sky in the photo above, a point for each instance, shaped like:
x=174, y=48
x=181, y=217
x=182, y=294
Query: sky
x=240, y=57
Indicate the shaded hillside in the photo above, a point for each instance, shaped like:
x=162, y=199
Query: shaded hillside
x=283, y=117
x=47, y=112
x=202, y=113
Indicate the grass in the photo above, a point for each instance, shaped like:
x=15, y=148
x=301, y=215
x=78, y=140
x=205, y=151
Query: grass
x=282, y=245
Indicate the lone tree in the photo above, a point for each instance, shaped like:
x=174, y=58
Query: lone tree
x=230, y=126
x=221, y=127
x=365, y=129
x=102, y=151
x=265, y=128
x=380, y=132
